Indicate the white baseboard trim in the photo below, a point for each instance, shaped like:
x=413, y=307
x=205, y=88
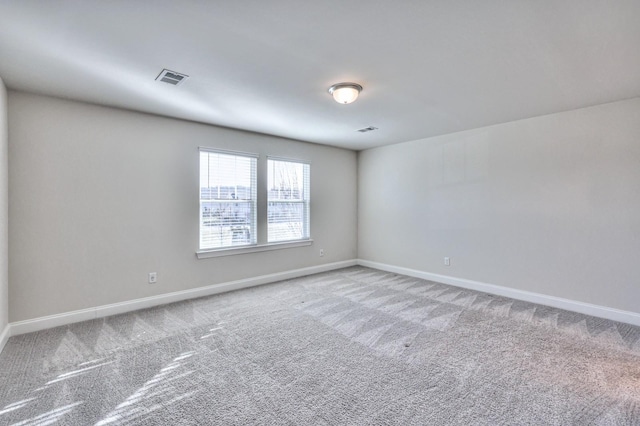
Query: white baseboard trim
x=42, y=323
x=4, y=336
x=613, y=314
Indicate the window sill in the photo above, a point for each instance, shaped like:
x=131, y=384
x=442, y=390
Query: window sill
x=205, y=254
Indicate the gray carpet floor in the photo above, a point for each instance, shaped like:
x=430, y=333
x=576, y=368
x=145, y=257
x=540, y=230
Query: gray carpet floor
x=349, y=347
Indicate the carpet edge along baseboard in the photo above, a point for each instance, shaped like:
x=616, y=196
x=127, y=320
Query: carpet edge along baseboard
x=65, y=318
x=599, y=311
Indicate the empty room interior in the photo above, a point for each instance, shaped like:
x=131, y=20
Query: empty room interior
x=315, y=213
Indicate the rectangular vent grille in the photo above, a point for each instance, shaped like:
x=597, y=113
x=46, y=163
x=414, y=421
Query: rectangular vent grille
x=367, y=129
x=171, y=77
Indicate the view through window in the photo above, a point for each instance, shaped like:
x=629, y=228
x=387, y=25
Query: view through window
x=227, y=200
x=288, y=201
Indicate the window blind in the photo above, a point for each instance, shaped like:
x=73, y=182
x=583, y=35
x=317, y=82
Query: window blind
x=227, y=199
x=288, y=200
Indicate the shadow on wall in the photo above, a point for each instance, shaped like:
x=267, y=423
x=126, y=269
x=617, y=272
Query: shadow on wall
x=458, y=162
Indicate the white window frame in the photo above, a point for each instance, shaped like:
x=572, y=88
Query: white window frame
x=260, y=212
x=305, y=201
x=252, y=202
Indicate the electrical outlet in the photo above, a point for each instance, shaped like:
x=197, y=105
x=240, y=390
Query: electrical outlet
x=321, y=252
x=153, y=277
x=447, y=261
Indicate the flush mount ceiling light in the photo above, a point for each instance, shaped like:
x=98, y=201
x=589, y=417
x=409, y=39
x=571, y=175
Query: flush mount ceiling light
x=345, y=93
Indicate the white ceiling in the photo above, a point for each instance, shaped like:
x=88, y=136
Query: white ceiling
x=427, y=67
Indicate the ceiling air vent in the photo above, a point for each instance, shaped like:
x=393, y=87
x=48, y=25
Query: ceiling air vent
x=171, y=77
x=367, y=129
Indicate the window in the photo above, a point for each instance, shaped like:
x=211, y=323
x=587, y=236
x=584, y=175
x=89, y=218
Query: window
x=229, y=212
x=227, y=199
x=288, y=201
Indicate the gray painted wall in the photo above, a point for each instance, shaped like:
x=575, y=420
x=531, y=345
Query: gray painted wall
x=4, y=199
x=100, y=197
x=549, y=205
